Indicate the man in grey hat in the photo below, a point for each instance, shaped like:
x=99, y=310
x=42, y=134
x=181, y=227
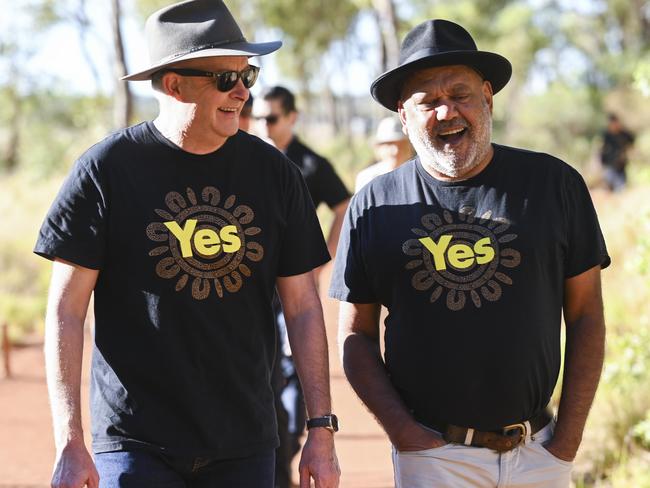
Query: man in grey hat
x=183, y=227
x=476, y=249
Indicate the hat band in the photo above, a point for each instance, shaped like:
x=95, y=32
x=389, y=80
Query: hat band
x=203, y=47
x=430, y=51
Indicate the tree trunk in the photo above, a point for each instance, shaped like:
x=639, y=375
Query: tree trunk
x=83, y=25
x=333, y=113
x=383, y=56
x=385, y=10
x=10, y=157
x=640, y=9
x=123, y=101
x=303, y=88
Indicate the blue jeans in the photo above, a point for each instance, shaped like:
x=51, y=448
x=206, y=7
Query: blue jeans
x=147, y=469
x=615, y=178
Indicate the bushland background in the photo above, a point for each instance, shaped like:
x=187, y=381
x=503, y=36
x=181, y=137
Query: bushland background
x=574, y=61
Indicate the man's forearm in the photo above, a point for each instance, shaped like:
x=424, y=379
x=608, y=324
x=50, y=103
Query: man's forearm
x=63, y=358
x=585, y=350
x=333, y=237
x=306, y=330
x=308, y=343
x=335, y=228
x=367, y=374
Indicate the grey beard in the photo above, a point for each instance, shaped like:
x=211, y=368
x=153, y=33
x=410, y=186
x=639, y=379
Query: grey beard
x=449, y=163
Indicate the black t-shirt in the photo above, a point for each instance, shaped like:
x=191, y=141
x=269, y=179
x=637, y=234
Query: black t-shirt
x=472, y=274
x=322, y=181
x=189, y=248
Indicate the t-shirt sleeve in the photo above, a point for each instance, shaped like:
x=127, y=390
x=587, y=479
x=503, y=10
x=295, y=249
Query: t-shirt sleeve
x=585, y=242
x=330, y=186
x=75, y=226
x=303, y=244
x=350, y=282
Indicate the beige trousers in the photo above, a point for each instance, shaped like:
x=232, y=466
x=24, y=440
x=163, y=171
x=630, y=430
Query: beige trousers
x=457, y=466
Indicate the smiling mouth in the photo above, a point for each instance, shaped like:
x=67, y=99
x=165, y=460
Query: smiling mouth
x=452, y=136
x=228, y=110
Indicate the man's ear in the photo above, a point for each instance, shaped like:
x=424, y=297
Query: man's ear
x=488, y=94
x=402, y=117
x=170, y=83
x=293, y=117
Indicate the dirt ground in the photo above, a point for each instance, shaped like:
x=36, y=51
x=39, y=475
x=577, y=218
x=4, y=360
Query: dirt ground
x=27, y=449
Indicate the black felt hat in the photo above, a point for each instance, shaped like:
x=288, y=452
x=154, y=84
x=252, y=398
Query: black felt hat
x=195, y=29
x=434, y=43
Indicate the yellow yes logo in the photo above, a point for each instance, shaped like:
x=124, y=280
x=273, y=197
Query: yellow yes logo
x=460, y=256
x=206, y=241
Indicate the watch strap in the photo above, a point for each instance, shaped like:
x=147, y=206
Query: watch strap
x=329, y=422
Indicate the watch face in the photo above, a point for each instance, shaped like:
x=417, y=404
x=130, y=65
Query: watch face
x=335, y=422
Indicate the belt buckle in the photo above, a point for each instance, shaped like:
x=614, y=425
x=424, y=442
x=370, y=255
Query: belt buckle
x=521, y=428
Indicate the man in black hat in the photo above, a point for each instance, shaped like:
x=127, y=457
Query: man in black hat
x=477, y=250
x=183, y=227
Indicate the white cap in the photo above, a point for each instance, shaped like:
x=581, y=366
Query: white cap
x=389, y=130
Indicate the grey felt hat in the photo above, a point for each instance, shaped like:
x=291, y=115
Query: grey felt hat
x=195, y=29
x=434, y=43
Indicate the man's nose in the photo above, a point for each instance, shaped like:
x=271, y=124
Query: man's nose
x=239, y=90
x=445, y=111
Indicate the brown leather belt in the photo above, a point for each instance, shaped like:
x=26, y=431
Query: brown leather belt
x=500, y=440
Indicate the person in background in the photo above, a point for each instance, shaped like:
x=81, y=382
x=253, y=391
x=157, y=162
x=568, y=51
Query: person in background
x=617, y=141
x=246, y=115
x=183, y=228
x=477, y=250
x=278, y=381
x=392, y=149
x=276, y=115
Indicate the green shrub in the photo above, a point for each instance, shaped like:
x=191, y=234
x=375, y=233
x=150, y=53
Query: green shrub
x=615, y=450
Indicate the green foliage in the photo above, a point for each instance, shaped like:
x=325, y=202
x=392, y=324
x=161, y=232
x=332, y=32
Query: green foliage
x=627, y=375
x=559, y=121
x=306, y=42
x=633, y=473
x=24, y=199
x=641, y=432
x=615, y=445
x=642, y=77
x=332, y=20
x=54, y=128
x=146, y=7
x=46, y=14
x=24, y=314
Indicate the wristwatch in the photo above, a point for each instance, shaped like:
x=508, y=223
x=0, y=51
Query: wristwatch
x=330, y=422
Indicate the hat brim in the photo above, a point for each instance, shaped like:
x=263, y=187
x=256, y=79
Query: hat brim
x=496, y=69
x=235, y=49
x=394, y=138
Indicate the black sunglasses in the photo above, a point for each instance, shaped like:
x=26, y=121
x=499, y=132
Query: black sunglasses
x=269, y=119
x=224, y=81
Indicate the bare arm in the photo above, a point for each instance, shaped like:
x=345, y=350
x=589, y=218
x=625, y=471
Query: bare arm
x=583, y=362
x=366, y=372
x=335, y=230
x=69, y=294
x=306, y=329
